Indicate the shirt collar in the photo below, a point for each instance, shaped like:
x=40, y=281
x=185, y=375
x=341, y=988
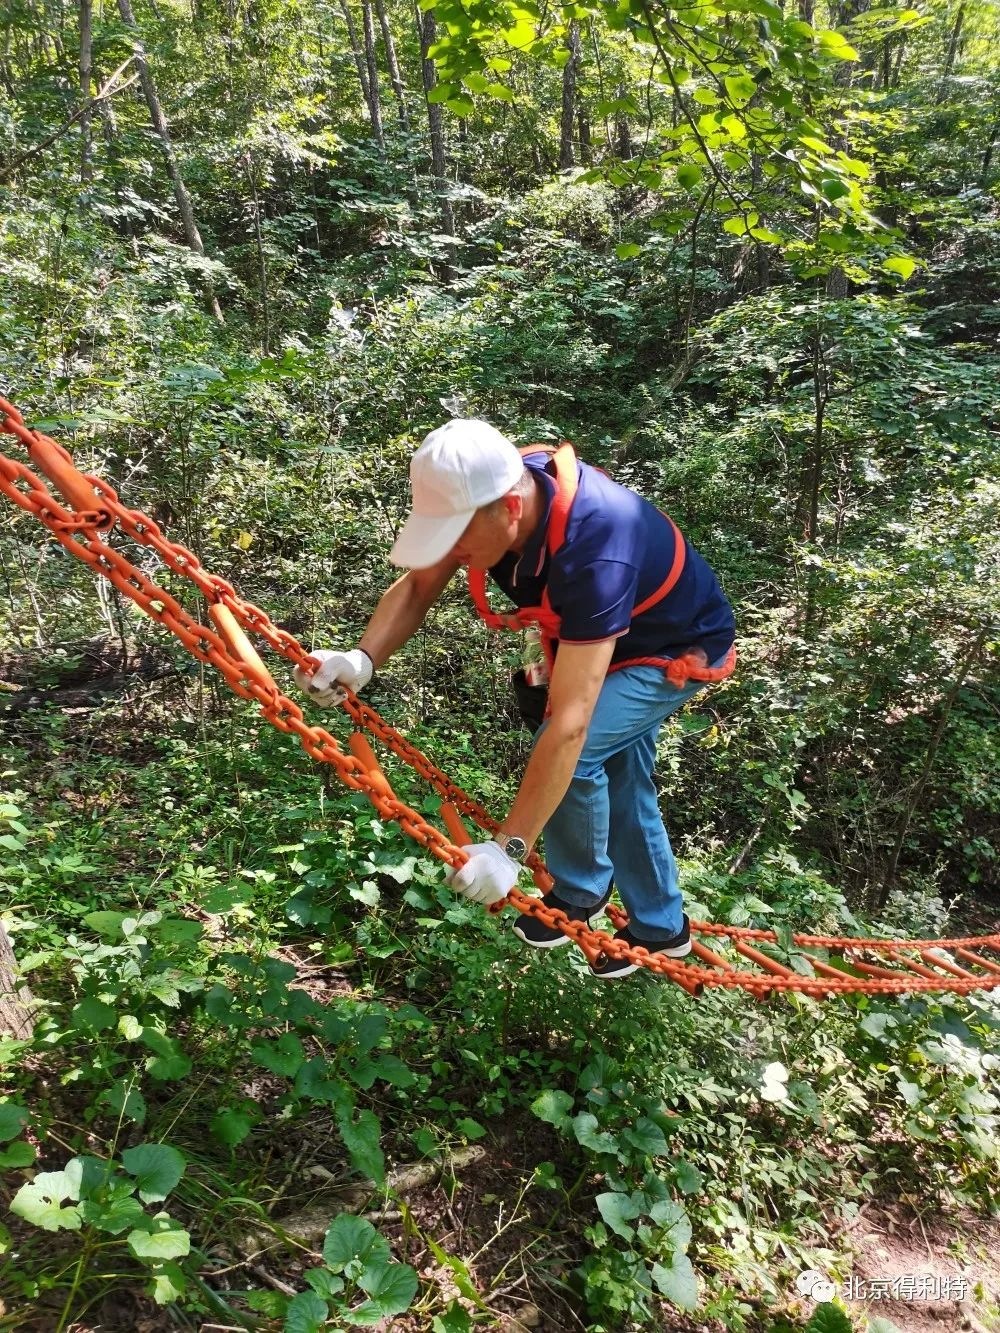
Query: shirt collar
x=532, y=558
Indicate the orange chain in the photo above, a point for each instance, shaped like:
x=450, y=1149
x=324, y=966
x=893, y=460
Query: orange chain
x=83, y=531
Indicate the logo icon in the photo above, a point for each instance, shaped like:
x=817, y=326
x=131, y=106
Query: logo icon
x=815, y=1285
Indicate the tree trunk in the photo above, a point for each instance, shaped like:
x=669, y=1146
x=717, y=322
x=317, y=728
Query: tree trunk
x=356, y=51
x=393, y=63
x=984, y=170
x=566, y=155
x=375, y=104
x=15, y=1000
x=261, y=266
x=583, y=124
x=879, y=898
x=184, y=205
x=86, y=167
x=949, y=60
x=623, y=135
x=427, y=27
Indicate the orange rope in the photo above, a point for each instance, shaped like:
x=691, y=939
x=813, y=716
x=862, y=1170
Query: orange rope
x=84, y=531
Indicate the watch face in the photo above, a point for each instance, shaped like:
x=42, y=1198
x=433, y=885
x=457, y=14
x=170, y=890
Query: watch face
x=516, y=849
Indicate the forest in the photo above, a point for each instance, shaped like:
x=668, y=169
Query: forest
x=260, y=1067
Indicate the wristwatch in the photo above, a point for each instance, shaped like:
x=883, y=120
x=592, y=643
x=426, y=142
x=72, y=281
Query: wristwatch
x=516, y=848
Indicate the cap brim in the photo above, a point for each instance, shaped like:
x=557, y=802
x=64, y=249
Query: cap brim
x=424, y=541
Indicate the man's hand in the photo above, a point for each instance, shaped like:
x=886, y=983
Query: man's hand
x=326, y=684
x=488, y=875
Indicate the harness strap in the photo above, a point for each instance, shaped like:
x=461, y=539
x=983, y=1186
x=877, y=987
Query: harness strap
x=679, y=670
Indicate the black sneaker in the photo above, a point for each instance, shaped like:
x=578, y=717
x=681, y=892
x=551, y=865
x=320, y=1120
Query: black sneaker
x=540, y=936
x=609, y=969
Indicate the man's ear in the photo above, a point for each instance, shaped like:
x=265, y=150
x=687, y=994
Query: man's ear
x=514, y=504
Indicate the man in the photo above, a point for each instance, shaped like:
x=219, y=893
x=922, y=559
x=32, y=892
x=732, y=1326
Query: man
x=609, y=579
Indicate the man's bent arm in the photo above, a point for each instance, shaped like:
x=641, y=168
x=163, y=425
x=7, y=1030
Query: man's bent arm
x=579, y=672
x=402, y=609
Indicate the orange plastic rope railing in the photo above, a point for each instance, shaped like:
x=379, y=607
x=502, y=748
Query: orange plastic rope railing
x=96, y=514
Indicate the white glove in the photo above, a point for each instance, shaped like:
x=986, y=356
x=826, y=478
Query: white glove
x=326, y=684
x=488, y=875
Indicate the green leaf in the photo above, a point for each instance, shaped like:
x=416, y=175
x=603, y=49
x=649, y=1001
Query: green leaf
x=114, y=1215
x=157, y=1168
x=586, y=1130
x=471, y=1129
x=392, y=1070
x=456, y=1319
x=16, y=1156
x=169, y=1283
x=829, y=1318
x=739, y=88
x=12, y=1117
x=833, y=188
x=647, y=1137
x=124, y=1100
x=618, y=1210
x=94, y=1014
x=361, y=1139
x=40, y=1202
x=391, y=1290
x=230, y=1125
x=900, y=264
x=348, y=1238
x=552, y=1106
x=688, y=175
x=164, y=1239
x=285, y=1056
x=677, y=1281
x=689, y=1179
x=628, y=251
x=108, y=924
x=306, y=1313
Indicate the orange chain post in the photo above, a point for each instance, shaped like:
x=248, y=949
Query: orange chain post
x=95, y=515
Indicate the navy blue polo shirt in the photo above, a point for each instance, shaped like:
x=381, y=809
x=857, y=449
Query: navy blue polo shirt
x=618, y=550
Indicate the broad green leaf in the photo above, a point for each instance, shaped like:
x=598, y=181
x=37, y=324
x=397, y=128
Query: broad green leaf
x=349, y=1237
x=16, y=1156
x=361, y=1139
x=41, y=1202
x=390, y=1289
x=157, y=1168
x=677, y=1281
x=739, y=88
x=689, y=1179
x=470, y=1129
x=829, y=1318
x=553, y=1106
x=163, y=1239
x=585, y=1127
x=124, y=1100
x=306, y=1313
x=230, y=1125
x=618, y=1210
x=284, y=1056
x=115, y=1215
x=628, y=250
x=13, y=1116
x=688, y=175
x=900, y=264
x=647, y=1137
x=94, y=1014
x=106, y=923
x=169, y=1283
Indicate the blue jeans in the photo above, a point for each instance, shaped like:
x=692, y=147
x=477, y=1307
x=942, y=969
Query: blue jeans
x=608, y=825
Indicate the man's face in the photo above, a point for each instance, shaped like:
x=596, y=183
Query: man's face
x=491, y=533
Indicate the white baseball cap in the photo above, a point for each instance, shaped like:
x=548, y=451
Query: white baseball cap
x=460, y=467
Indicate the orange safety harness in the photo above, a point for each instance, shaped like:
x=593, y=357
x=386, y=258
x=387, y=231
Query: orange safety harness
x=678, y=670
x=85, y=529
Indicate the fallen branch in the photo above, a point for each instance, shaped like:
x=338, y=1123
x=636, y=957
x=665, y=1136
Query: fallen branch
x=108, y=89
x=308, y=1226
